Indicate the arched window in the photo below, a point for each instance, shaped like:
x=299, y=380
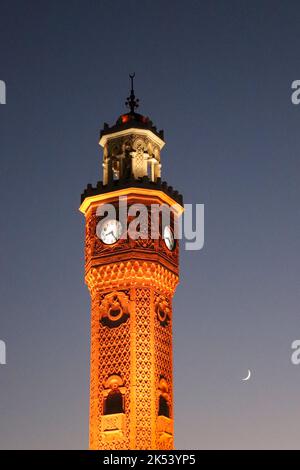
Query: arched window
x=163, y=398
x=163, y=409
x=113, y=402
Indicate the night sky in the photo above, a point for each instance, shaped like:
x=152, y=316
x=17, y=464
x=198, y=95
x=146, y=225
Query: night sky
x=216, y=76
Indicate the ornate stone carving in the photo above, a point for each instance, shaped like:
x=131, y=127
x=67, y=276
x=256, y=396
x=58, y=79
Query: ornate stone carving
x=142, y=150
x=111, y=350
x=163, y=309
x=113, y=427
x=163, y=376
x=114, y=309
x=131, y=273
x=164, y=427
x=144, y=384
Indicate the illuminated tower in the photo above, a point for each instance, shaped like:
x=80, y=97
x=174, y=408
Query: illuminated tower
x=131, y=282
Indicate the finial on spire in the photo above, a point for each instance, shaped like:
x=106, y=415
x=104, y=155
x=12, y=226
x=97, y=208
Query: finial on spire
x=131, y=79
x=132, y=102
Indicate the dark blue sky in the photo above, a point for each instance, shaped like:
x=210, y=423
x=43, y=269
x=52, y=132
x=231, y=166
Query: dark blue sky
x=216, y=76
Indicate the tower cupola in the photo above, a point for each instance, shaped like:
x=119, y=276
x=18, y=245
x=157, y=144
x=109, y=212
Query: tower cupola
x=131, y=146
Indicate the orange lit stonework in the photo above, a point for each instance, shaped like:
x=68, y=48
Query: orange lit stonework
x=131, y=283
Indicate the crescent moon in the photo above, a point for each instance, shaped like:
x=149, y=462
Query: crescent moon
x=248, y=376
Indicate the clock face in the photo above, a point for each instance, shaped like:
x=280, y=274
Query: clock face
x=169, y=237
x=111, y=231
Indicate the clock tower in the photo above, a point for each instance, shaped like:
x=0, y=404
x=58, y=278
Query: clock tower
x=132, y=276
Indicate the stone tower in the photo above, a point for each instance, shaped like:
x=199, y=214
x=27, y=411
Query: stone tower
x=132, y=280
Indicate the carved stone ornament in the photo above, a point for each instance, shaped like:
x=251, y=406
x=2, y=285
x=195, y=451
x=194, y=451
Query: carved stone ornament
x=163, y=310
x=114, y=309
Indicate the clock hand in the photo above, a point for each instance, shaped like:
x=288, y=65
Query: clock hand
x=112, y=233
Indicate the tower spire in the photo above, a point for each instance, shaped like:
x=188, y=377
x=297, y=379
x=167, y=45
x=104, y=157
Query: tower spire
x=132, y=102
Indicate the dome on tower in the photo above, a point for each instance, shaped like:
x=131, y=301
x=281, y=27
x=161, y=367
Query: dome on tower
x=132, y=119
